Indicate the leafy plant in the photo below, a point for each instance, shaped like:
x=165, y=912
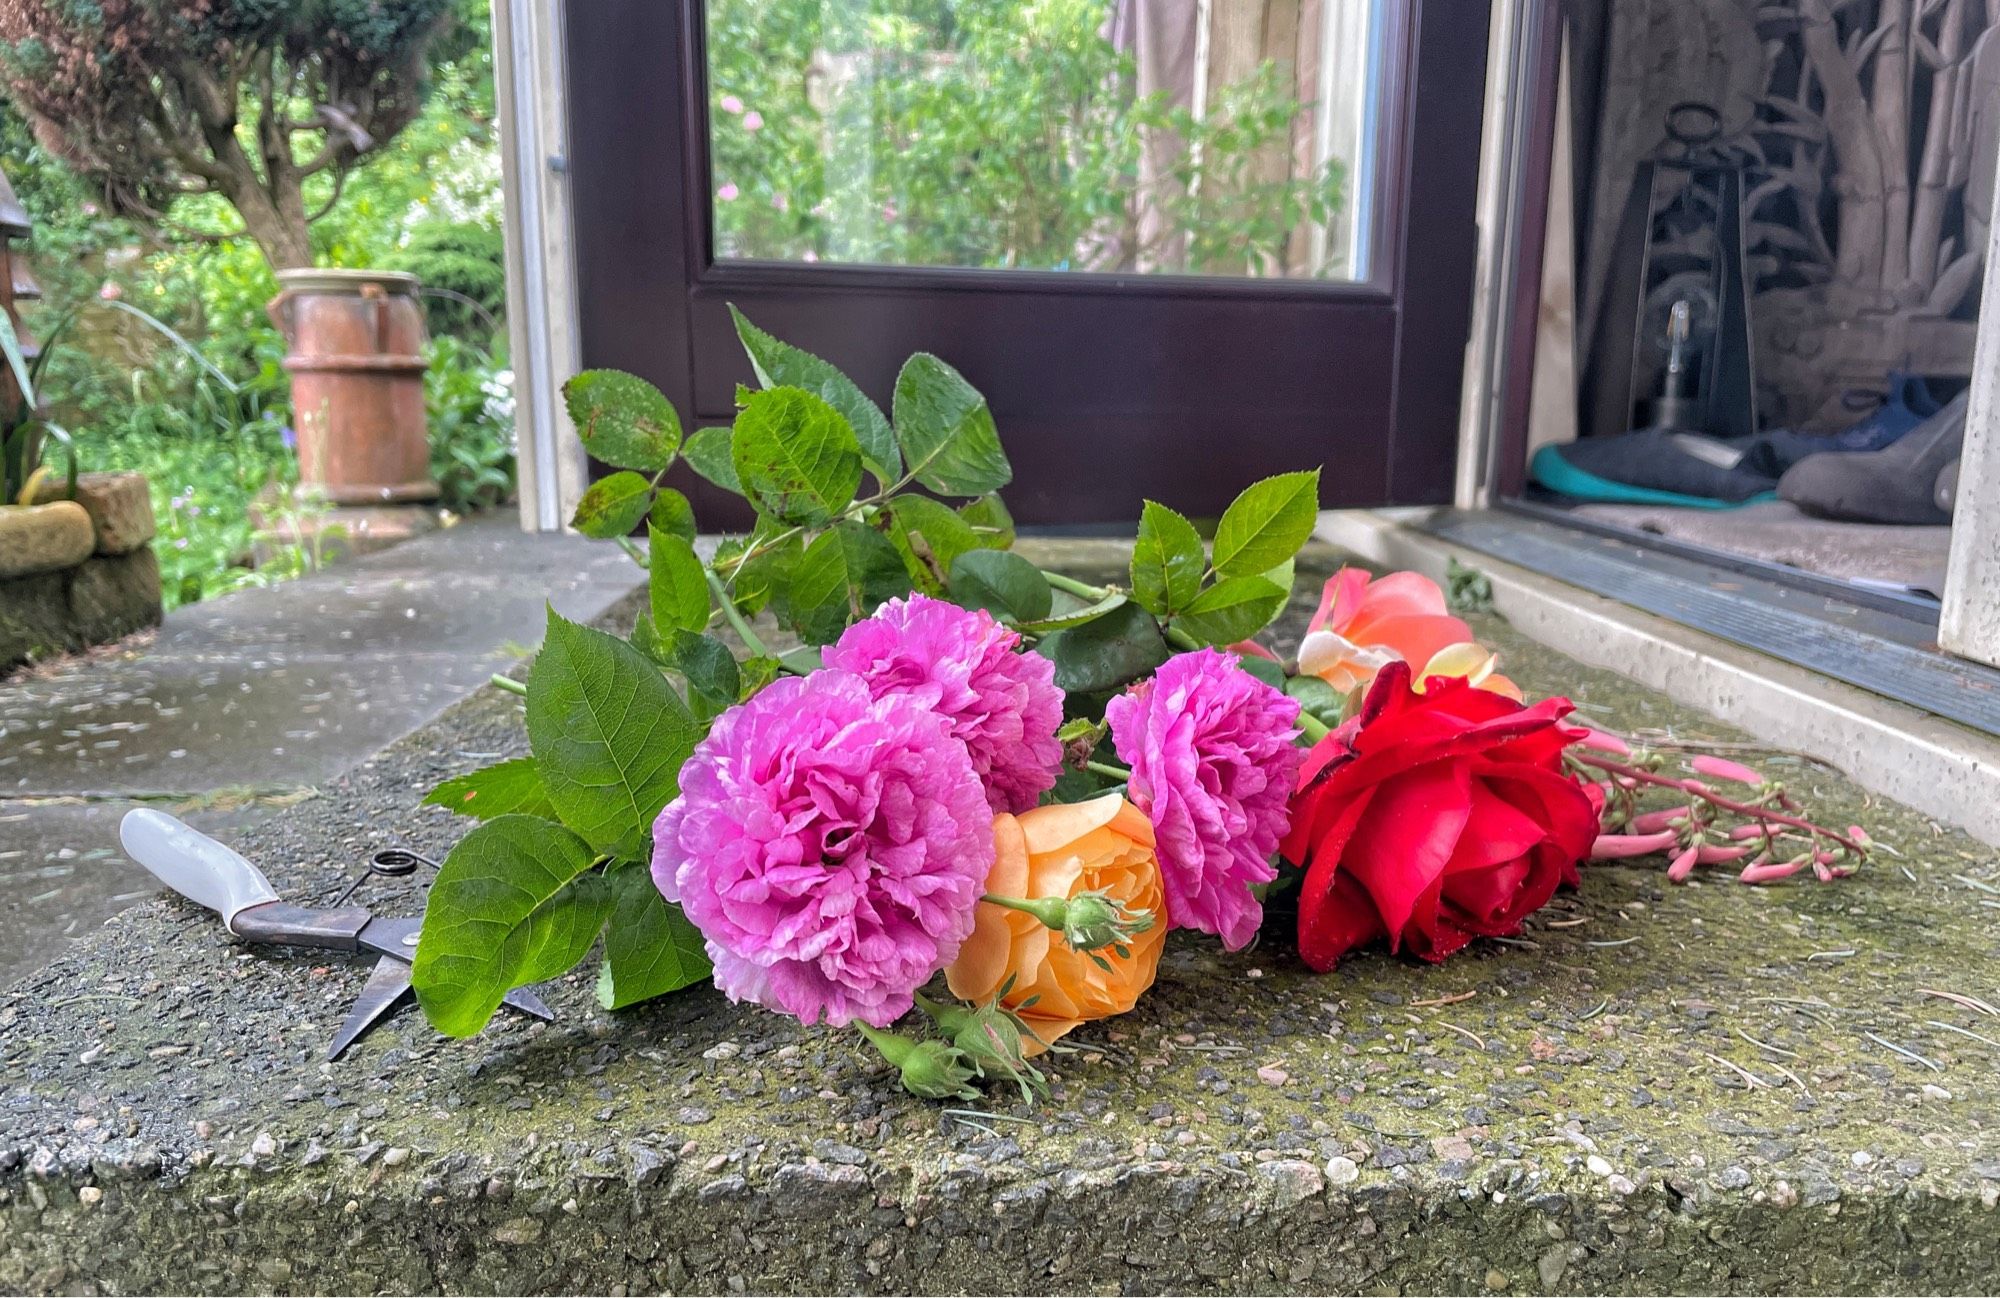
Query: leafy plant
x=854, y=507
x=469, y=401
x=464, y=273
x=252, y=102
x=993, y=133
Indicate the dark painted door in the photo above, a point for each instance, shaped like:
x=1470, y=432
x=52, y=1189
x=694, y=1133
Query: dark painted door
x=1179, y=366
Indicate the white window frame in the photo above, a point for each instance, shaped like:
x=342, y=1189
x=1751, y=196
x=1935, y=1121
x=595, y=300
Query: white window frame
x=529, y=85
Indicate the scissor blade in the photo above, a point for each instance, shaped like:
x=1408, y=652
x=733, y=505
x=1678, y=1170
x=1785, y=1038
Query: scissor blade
x=384, y=988
x=528, y=1003
x=396, y=939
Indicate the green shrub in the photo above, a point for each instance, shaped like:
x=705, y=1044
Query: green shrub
x=463, y=267
x=469, y=399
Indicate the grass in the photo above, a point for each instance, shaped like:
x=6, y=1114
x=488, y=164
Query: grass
x=204, y=491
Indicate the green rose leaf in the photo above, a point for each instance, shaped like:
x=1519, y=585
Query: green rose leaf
x=1002, y=583
x=1267, y=524
x=1264, y=669
x=781, y=365
x=875, y=568
x=1167, y=561
x=709, y=669
x=608, y=732
x=818, y=600
x=672, y=513
x=761, y=579
x=677, y=583
x=708, y=453
x=623, y=420
x=1076, y=613
x=502, y=789
x=930, y=536
x=651, y=948
x=613, y=505
x=946, y=431
x=756, y=673
x=1107, y=653
x=1233, y=609
x=990, y=521
x=796, y=456
x=1318, y=698
x=514, y=903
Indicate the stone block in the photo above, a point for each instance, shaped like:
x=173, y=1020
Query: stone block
x=44, y=538
x=113, y=595
x=34, y=617
x=120, y=506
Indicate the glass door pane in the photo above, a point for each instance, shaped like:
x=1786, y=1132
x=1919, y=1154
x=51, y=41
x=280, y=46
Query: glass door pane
x=1205, y=137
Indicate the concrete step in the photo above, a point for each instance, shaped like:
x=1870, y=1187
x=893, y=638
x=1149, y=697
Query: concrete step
x=1694, y=1089
x=244, y=704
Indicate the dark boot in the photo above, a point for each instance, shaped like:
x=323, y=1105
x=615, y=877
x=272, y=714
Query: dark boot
x=1897, y=484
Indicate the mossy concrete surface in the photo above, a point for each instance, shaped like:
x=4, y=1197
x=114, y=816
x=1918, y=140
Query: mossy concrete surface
x=1707, y=1088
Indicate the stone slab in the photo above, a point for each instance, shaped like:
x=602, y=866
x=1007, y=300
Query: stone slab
x=1562, y=1115
x=120, y=506
x=68, y=876
x=43, y=538
x=273, y=690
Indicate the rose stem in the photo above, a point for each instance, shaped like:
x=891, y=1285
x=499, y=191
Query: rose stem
x=1706, y=794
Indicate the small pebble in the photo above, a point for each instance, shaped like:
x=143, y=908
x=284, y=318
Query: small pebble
x=90, y=1196
x=1861, y=1158
x=1496, y=1280
x=263, y=1146
x=1598, y=1165
x=395, y=1156
x=1932, y=1091
x=1272, y=1075
x=1341, y=1170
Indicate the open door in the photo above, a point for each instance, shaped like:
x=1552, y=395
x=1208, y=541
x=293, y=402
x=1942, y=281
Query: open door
x=1179, y=244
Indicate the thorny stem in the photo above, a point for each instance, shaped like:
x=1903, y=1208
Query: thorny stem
x=1695, y=789
x=737, y=622
x=1176, y=637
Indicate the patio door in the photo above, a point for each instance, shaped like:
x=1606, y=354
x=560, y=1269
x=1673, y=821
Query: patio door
x=1179, y=244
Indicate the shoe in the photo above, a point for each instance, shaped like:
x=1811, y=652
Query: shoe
x=1897, y=484
x=1654, y=467
x=1946, y=494
x=1903, y=409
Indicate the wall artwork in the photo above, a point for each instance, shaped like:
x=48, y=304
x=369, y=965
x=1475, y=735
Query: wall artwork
x=1867, y=134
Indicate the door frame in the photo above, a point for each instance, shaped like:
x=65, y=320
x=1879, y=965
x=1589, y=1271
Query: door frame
x=650, y=299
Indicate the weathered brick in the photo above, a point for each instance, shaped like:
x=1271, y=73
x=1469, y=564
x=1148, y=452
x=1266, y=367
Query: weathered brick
x=113, y=595
x=43, y=538
x=120, y=506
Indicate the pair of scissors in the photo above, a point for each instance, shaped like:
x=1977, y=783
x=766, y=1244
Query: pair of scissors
x=205, y=871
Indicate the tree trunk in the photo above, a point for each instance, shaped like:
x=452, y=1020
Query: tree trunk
x=277, y=222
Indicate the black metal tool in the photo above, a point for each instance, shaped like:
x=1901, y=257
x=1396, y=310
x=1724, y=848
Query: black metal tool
x=205, y=871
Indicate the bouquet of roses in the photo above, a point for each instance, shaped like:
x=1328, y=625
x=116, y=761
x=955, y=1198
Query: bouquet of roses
x=978, y=797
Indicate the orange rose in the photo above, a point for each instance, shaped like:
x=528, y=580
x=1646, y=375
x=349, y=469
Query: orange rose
x=1364, y=625
x=1062, y=851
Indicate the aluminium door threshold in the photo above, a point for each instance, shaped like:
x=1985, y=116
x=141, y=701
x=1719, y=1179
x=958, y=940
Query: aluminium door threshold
x=1858, y=685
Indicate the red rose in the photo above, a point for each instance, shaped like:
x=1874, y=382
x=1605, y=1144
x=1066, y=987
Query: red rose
x=1433, y=818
